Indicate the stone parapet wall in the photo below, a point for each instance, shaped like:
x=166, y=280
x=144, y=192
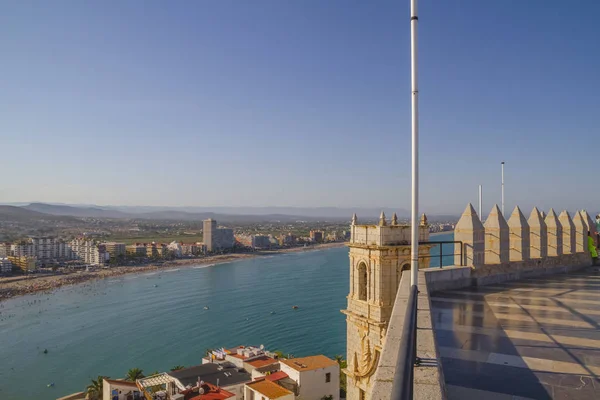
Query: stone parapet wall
x=541, y=237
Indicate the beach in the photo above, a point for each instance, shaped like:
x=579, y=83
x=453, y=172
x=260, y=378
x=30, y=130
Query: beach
x=18, y=285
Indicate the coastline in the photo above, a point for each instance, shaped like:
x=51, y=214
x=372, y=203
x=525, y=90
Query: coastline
x=20, y=285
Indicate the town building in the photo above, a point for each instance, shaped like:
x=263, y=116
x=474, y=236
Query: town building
x=175, y=248
x=287, y=240
x=217, y=239
x=316, y=236
x=255, y=241
x=266, y=390
x=316, y=376
x=23, y=248
x=120, y=390
x=136, y=250
x=115, y=249
x=189, y=249
x=5, y=250
x=24, y=263
x=224, y=375
x=88, y=252
x=5, y=266
x=156, y=250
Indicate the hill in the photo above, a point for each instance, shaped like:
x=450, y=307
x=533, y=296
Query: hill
x=20, y=214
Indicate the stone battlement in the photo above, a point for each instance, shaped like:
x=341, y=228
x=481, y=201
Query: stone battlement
x=547, y=238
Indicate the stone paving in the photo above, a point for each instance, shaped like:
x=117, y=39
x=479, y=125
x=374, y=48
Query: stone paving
x=531, y=339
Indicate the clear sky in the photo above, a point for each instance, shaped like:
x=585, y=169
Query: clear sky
x=298, y=102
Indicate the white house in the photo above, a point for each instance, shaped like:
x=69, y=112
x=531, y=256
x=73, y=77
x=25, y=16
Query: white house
x=176, y=248
x=316, y=376
x=266, y=390
x=120, y=390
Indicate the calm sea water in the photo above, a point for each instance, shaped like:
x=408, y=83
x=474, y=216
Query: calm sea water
x=109, y=326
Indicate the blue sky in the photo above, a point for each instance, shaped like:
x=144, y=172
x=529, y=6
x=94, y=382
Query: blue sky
x=298, y=103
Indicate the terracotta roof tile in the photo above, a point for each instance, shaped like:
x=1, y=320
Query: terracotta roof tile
x=309, y=363
x=269, y=389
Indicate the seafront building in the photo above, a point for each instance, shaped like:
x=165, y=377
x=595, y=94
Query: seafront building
x=88, y=251
x=115, y=249
x=25, y=264
x=5, y=266
x=217, y=239
x=316, y=236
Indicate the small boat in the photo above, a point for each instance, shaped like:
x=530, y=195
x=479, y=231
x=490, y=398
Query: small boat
x=50, y=384
x=206, y=308
x=295, y=307
x=272, y=312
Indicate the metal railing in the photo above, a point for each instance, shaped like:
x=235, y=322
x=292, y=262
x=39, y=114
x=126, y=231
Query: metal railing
x=402, y=387
x=442, y=255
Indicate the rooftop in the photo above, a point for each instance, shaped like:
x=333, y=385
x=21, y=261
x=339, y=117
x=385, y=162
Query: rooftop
x=211, y=392
x=309, y=363
x=226, y=373
x=262, y=361
x=121, y=383
x=269, y=389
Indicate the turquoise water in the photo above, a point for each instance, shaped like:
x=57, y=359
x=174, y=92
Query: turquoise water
x=109, y=326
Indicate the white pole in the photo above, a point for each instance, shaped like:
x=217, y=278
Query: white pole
x=480, y=198
x=502, y=187
x=414, y=262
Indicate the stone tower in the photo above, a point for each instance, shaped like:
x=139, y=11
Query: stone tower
x=378, y=255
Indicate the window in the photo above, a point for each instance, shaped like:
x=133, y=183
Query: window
x=362, y=281
x=328, y=377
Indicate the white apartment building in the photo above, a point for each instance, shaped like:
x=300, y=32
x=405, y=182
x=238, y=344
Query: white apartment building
x=22, y=249
x=89, y=252
x=317, y=376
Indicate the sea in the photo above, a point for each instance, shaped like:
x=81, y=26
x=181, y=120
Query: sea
x=157, y=320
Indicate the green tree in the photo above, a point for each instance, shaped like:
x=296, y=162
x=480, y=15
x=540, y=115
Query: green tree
x=177, y=368
x=343, y=364
x=134, y=374
x=94, y=390
x=279, y=354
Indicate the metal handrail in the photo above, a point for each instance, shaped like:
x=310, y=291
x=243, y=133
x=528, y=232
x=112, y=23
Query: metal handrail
x=402, y=387
x=441, y=255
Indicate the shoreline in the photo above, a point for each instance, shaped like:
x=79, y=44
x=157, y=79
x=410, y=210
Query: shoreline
x=20, y=285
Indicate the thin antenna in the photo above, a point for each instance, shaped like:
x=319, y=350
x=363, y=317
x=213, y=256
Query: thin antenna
x=502, y=187
x=414, y=261
x=480, y=200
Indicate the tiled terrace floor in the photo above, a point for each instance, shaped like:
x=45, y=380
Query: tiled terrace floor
x=532, y=339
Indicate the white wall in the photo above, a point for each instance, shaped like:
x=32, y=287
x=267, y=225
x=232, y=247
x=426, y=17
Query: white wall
x=312, y=384
x=107, y=389
x=258, y=396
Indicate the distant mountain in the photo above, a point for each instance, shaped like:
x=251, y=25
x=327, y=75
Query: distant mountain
x=93, y=212
x=20, y=214
x=177, y=215
x=312, y=212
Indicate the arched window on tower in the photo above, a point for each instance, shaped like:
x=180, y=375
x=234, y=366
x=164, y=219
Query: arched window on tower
x=362, y=281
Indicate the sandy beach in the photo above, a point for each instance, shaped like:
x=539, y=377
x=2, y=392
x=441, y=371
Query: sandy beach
x=46, y=282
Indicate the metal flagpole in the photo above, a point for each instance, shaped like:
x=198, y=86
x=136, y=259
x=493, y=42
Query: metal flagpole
x=414, y=262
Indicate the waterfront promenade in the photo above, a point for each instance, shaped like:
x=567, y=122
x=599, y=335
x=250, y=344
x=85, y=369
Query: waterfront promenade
x=535, y=338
